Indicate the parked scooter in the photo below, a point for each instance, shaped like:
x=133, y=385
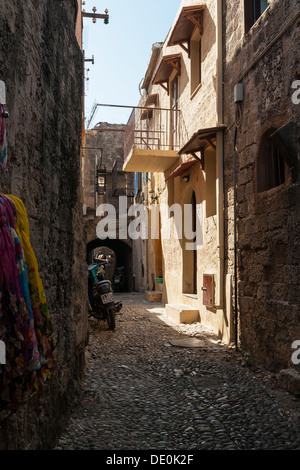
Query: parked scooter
x=102, y=305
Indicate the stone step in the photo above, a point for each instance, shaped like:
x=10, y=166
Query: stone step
x=181, y=313
x=153, y=296
x=289, y=379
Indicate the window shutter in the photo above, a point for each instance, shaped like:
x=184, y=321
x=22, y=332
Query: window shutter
x=248, y=14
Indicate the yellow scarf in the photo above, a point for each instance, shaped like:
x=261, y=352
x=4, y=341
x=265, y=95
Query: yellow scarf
x=22, y=229
x=37, y=294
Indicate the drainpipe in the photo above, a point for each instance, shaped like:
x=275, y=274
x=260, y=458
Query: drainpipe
x=220, y=155
x=235, y=238
x=238, y=99
x=96, y=184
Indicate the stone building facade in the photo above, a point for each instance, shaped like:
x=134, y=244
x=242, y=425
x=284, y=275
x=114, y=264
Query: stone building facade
x=261, y=53
x=42, y=67
x=175, y=139
x=233, y=152
x=104, y=182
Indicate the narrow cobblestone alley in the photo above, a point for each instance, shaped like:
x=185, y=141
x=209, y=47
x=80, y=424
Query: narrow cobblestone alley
x=153, y=385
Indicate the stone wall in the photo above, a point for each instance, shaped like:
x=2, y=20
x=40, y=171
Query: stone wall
x=267, y=222
x=41, y=64
x=183, y=274
x=104, y=144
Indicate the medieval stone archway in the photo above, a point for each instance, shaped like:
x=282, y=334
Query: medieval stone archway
x=123, y=252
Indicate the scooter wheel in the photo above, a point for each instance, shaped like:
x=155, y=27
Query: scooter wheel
x=111, y=319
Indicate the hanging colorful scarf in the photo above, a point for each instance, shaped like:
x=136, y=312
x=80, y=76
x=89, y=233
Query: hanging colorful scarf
x=33, y=363
x=42, y=323
x=3, y=141
x=11, y=215
x=15, y=330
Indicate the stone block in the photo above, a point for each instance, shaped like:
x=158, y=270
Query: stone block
x=289, y=379
x=181, y=313
x=153, y=296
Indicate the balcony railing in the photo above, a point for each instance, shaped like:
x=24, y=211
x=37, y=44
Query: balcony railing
x=154, y=129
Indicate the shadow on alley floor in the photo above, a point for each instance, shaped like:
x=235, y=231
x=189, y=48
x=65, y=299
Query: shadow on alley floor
x=152, y=384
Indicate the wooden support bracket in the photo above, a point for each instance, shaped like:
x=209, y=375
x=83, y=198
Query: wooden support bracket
x=199, y=159
x=165, y=87
x=210, y=143
x=185, y=48
x=197, y=21
x=175, y=64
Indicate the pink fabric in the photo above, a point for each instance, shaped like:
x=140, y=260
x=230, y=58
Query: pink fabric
x=8, y=266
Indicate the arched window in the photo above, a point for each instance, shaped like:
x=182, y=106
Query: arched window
x=270, y=164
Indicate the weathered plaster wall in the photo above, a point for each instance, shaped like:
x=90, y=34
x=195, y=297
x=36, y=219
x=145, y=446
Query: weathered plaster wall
x=268, y=222
x=41, y=64
x=198, y=110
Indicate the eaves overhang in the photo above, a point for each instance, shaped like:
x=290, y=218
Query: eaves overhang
x=167, y=64
x=180, y=169
x=201, y=139
x=190, y=17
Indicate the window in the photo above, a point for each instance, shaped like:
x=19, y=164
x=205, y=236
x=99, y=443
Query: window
x=158, y=253
x=194, y=228
x=101, y=183
x=195, y=46
x=270, y=164
x=189, y=251
x=253, y=10
x=137, y=183
x=174, y=107
x=211, y=187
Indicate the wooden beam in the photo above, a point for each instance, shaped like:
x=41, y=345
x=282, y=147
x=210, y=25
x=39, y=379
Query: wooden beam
x=165, y=87
x=94, y=15
x=210, y=142
x=200, y=159
x=197, y=21
x=194, y=150
x=186, y=49
x=196, y=156
x=175, y=64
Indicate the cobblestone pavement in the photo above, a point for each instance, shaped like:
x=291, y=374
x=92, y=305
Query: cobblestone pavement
x=145, y=389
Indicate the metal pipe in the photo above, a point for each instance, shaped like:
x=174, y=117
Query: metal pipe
x=96, y=182
x=220, y=156
x=235, y=238
x=133, y=107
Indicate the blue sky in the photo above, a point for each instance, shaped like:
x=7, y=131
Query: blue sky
x=121, y=52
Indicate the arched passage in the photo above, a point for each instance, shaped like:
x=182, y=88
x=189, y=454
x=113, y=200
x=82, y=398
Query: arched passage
x=123, y=254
